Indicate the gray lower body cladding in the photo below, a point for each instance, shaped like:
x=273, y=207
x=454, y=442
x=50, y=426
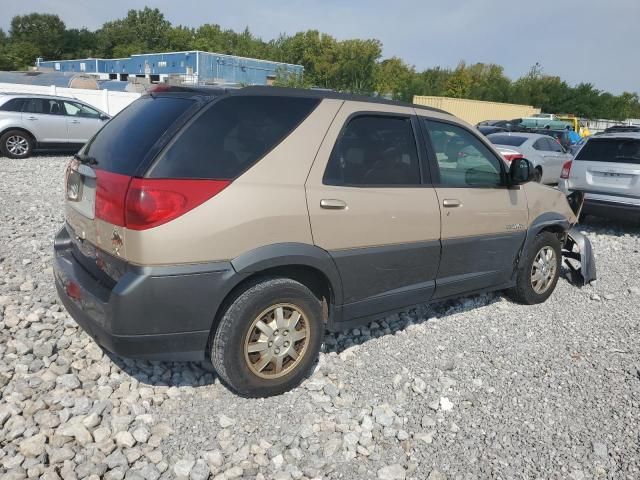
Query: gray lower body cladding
x=155, y=313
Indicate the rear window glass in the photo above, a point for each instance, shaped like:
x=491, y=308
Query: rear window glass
x=13, y=105
x=123, y=143
x=510, y=140
x=616, y=150
x=231, y=135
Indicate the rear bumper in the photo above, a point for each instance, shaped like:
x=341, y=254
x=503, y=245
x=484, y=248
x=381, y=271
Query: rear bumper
x=607, y=208
x=153, y=313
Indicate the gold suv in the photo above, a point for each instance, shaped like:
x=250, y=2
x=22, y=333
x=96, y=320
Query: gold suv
x=241, y=224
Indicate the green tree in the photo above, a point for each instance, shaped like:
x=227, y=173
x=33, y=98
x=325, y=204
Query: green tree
x=79, y=43
x=43, y=31
x=141, y=31
x=459, y=83
x=394, y=77
x=355, y=64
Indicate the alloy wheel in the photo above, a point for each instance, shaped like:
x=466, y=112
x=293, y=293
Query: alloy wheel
x=17, y=145
x=277, y=341
x=543, y=270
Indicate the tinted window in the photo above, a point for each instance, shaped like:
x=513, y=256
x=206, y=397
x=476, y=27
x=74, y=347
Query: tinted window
x=374, y=150
x=554, y=146
x=619, y=150
x=463, y=160
x=122, y=144
x=42, y=106
x=13, y=105
x=231, y=135
x=510, y=140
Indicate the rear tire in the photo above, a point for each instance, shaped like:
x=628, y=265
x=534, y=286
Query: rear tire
x=268, y=338
x=16, y=144
x=538, y=272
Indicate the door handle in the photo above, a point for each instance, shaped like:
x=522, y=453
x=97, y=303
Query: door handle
x=32, y=118
x=451, y=203
x=333, y=204
x=75, y=121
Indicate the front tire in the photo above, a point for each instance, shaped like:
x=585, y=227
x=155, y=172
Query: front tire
x=269, y=337
x=16, y=144
x=539, y=270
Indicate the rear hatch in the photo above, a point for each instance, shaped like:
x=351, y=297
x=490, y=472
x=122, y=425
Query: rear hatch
x=608, y=167
x=164, y=155
x=99, y=176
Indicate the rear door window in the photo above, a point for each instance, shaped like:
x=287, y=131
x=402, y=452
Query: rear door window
x=43, y=106
x=375, y=150
x=615, y=150
x=124, y=143
x=230, y=136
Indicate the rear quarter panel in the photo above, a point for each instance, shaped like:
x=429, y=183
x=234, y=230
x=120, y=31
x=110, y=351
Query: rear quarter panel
x=264, y=206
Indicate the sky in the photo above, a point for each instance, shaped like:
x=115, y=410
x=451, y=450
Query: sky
x=579, y=40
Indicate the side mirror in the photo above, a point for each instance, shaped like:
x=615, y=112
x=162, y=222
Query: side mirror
x=521, y=171
x=104, y=117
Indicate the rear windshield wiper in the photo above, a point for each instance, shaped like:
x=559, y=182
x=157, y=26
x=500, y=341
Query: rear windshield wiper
x=86, y=159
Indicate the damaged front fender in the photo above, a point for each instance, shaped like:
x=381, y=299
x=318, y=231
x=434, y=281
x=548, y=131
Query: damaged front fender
x=577, y=249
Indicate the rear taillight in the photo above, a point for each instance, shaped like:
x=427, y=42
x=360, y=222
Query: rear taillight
x=566, y=170
x=111, y=193
x=142, y=203
x=152, y=202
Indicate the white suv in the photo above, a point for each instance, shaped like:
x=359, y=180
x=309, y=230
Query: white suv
x=607, y=170
x=31, y=122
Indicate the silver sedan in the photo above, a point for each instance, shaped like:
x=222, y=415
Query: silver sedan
x=544, y=151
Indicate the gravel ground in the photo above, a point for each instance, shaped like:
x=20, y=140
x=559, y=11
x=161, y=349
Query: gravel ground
x=478, y=388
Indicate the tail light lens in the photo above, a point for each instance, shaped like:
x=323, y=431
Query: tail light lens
x=152, y=202
x=142, y=203
x=566, y=170
x=111, y=193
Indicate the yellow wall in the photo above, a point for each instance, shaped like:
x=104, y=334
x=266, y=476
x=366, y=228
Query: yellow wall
x=474, y=111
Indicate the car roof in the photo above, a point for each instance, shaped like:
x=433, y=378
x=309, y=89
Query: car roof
x=621, y=135
x=38, y=95
x=264, y=90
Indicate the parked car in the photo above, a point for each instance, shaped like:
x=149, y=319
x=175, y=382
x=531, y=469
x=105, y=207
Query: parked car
x=489, y=129
x=544, y=120
x=239, y=225
x=30, y=122
x=607, y=170
x=546, y=154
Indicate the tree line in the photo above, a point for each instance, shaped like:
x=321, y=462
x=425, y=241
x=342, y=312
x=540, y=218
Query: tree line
x=353, y=65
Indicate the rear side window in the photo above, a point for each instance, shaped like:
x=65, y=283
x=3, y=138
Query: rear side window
x=123, y=143
x=231, y=135
x=617, y=150
x=43, y=106
x=13, y=105
x=510, y=140
x=374, y=150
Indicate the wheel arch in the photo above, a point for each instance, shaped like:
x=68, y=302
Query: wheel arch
x=547, y=222
x=22, y=129
x=307, y=264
